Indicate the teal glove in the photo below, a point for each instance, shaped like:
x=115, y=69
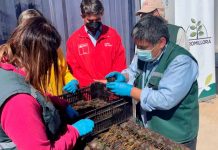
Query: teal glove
x=120, y=88
x=71, y=86
x=84, y=126
x=119, y=77
x=71, y=113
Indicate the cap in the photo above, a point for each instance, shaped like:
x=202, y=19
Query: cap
x=150, y=5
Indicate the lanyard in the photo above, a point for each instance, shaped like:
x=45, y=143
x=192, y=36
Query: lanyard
x=149, y=68
x=146, y=75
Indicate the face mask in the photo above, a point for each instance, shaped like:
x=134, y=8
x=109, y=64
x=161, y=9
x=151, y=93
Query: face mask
x=144, y=55
x=93, y=27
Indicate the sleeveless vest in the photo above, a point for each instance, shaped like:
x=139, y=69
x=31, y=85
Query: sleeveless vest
x=173, y=31
x=181, y=122
x=12, y=84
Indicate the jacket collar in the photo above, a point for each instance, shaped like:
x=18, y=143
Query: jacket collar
x=10, y=67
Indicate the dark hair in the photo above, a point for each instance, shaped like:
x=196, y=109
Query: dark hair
x=34, y=45
x=150, y=28
x=91, y=7
x=28, y=13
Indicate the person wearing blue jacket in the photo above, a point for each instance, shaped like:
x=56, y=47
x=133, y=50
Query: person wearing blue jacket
x=163, y=78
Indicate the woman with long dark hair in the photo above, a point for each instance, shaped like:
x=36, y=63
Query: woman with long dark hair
x=28, y=119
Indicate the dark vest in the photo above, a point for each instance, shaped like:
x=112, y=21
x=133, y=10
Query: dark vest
x=181, y=122
x=173, y=31
x=12, y=84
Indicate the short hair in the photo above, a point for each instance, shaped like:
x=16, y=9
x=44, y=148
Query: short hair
x=91, y=7
x=150, y=28
x=29, y=13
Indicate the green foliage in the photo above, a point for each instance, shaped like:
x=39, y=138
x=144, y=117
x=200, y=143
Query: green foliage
x=196, y=27
x=192, y=27
x=201, y=33
x=193, y=20
x=193, y=34
x=200, y=27
x=199, y=23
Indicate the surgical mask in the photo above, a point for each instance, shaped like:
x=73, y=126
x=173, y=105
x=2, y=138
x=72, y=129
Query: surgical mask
x=93, y=27
x=144, y=55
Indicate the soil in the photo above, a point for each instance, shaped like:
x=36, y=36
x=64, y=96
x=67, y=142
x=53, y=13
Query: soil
x=111, y=79
x=130, y=136
x=85, y=106
x=98, y=90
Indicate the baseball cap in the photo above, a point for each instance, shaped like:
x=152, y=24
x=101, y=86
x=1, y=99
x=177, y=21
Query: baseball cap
x=150, y=5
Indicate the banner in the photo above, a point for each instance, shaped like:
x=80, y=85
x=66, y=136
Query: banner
x=197, y=18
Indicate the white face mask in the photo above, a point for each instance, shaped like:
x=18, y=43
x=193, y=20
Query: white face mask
x=144, y=55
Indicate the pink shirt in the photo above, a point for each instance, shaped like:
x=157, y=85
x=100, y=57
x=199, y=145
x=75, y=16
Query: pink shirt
x=21, y=120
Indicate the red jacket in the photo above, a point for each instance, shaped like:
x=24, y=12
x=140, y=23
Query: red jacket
x=89, y=62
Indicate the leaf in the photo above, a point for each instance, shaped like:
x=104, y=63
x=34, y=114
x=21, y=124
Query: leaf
x=208, y=79
x=193, y=20
x=193, y=34
x=200, y=27
x=199, y=23
x=200, y=33
x=192, y=27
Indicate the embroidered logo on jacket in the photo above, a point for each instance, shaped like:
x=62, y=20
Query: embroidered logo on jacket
x=83, y=49
x=107, y=44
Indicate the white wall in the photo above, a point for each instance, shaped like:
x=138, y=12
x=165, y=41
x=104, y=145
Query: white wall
x=170, y=10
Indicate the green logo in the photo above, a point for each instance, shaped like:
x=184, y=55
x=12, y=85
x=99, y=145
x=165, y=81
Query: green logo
x=197, y=33
x=197, y=29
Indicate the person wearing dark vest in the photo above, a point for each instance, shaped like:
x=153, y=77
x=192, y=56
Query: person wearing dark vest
x=28, y=118
x=156, y=8
x=163, y=78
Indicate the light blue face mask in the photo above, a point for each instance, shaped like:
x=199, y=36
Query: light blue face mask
x=144, y=55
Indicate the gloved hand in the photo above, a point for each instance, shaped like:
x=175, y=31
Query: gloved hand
x=120, y=88
x=84, y=126
x=119, y=77
x=71, y=113
x=71, y=86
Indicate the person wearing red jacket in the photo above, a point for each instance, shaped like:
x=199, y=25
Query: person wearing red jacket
x=95, y=49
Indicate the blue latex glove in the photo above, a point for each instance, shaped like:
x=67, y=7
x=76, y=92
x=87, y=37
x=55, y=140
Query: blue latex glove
x=119, y=77
x=71, y=113
x=84, y=126
x=71, y=86
x=120, y=88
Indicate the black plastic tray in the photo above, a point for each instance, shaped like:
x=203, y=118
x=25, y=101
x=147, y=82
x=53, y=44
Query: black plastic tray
x=118, y=109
